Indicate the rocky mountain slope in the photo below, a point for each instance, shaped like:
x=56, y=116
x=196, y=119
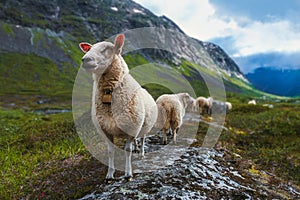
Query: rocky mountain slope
x=47, y=33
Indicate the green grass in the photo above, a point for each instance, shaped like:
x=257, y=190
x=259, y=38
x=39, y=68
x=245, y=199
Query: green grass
x=27, y=142
x=266, y=139
x=38, y=36
x=157, y=90
x=7, y=28
x=31, y=74
x=269, y=137
x=34, y=147
x=186, y=67
x=134, y=59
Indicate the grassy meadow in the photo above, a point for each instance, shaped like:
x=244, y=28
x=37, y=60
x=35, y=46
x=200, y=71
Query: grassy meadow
x=41, y=154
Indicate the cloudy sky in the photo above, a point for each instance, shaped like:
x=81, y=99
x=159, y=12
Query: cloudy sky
x=255, y=33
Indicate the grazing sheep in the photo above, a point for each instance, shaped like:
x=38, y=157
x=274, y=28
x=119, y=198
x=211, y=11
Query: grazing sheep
x=204, y=104
x=218, y=107
x=268, y=105
x=210, y=103
x=171, y=110
x=120, y=107
x=252, y=102
x=228, y=107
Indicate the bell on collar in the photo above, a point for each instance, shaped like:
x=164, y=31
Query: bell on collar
x=107, y=96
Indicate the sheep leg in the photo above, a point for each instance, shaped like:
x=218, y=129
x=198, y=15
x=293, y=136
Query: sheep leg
x=175, y=129
x=111, y=167
x=201, y=110
x=175, y=134
x=142, y=147
x=128, y=154
x=165, y=135
x=136, y=146
x=209, y=111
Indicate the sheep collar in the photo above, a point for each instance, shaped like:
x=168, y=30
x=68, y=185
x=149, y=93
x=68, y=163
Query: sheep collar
x=127, y=84
x=107, y=96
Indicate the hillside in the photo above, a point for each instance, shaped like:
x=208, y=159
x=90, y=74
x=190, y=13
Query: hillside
x=40, y=39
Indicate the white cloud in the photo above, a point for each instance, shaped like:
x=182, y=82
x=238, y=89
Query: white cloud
x=198, y=18
x=258, y=37
x=194, y=17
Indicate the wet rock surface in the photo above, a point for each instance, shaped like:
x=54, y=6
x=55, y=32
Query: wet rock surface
x=196, y=173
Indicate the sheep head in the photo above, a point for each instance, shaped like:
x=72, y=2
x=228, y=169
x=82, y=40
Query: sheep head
x=187, y=100
x=98, y=57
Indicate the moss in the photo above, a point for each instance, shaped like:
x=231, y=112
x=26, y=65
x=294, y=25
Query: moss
x=31, y=74
x=37, y=35
x=72, y=49
x=7, y=29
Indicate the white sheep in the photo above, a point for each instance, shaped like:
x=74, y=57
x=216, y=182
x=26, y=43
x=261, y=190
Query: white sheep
x=252, y=102
x=228, y=106
x=171, y=110
x=210, y=103
x=204, y=104
x=120, y=107
x=219, y=107
x=268, y=105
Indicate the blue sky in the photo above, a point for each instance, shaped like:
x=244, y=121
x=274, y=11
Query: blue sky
x=254, y=33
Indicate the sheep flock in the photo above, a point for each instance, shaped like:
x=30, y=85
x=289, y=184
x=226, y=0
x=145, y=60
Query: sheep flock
x=121, y=108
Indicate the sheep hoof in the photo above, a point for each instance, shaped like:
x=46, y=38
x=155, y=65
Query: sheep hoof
x=165, y=142
x=128, y=178
x=109, y=180
x=136, y=150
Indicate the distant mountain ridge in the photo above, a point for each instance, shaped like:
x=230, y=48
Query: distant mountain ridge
x=52, y=30
x=283, y=82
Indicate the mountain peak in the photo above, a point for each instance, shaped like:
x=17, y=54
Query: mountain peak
x=35, y=26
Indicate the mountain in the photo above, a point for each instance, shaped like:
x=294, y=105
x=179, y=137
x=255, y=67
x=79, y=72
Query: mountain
x=39, y=52
x=283, y=82
x=222, y=59
x=271, y=59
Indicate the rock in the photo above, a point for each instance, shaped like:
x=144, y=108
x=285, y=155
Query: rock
x=199, y=173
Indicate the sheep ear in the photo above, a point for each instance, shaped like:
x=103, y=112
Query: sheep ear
x=119, y=41
x=85, y=47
